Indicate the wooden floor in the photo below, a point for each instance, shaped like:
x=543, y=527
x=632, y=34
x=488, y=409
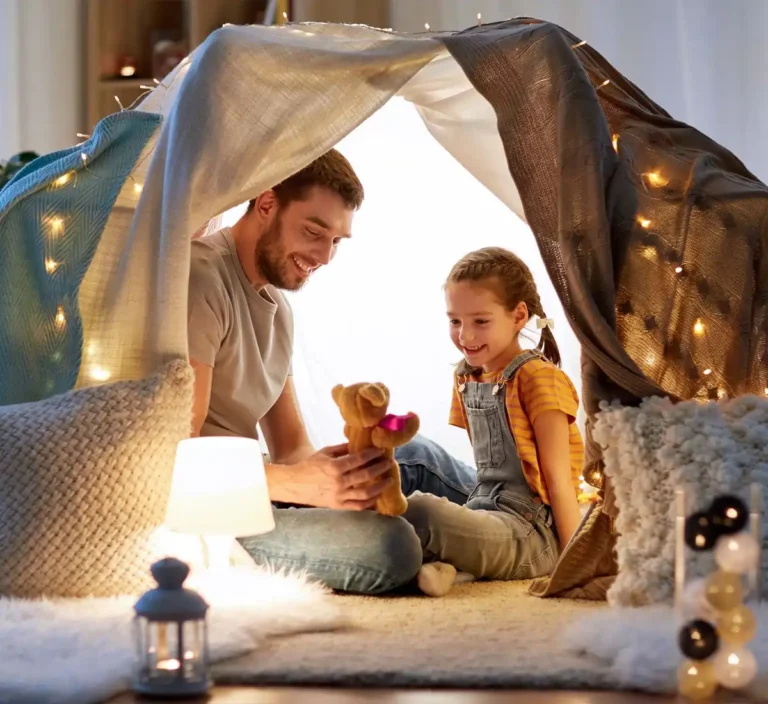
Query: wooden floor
x=290, y=695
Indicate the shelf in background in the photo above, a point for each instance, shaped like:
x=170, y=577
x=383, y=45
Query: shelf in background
x=152, y=36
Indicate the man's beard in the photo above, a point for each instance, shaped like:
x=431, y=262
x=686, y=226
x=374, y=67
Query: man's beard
x=272, y=259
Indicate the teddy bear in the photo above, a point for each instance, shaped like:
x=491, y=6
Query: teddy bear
x=367, y=424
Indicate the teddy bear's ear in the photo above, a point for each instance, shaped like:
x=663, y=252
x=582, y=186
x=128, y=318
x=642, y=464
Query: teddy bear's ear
x=376, y=394
x=336, y=392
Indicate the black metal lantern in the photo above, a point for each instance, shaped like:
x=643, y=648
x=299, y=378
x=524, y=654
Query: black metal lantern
x=171, y=636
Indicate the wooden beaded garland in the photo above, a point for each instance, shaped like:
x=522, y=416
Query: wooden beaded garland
x=714, y=643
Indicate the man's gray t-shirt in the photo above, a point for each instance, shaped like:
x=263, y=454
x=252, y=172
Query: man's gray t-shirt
x=244, y=334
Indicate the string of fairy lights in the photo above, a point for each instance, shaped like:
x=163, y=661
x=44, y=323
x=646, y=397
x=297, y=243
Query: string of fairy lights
x=56, y=225
x=655, y=179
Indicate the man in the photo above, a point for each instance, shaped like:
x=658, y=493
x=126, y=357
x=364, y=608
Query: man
x=240, y=345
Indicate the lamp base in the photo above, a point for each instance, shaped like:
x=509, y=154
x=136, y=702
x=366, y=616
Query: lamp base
x=173, y=690
x=218, y=551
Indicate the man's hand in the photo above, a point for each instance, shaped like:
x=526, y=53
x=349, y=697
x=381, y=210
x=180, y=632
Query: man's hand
x=332, y=478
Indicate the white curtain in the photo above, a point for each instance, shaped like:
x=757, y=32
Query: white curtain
x=41, y=73
x=10, y=123
x=703, y=61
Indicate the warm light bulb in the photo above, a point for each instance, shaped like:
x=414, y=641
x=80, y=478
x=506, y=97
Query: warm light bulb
x=615, y=142
x=99, y=374
x=707, y=372
x=57, y=226
x=678, y=270
x=644, y=222
x=127, y=71
x=656, y=179
x=603, y=84
x=60, y=319
x=649, y=252
x=698, y=328
x=51, y=266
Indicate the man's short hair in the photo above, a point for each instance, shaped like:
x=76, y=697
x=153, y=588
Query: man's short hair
x=332, y=170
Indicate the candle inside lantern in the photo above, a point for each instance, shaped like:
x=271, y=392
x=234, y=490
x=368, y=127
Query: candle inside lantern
x=171, y=664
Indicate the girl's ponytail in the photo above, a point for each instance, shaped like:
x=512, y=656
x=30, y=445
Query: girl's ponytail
x=547, y=345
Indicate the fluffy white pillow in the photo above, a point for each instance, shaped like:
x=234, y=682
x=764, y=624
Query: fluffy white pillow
x=649, y=452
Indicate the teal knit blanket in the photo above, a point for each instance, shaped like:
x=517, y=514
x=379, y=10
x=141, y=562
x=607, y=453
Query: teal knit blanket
x=52, y=215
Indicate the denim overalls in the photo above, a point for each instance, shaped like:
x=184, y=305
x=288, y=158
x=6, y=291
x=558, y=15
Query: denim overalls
x=501, y=483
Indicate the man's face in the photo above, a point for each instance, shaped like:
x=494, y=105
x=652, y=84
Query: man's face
x=302, y=236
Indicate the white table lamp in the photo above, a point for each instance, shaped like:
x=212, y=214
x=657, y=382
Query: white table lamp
x=219, y=492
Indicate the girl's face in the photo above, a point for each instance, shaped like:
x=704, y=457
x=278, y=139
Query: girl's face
x=481, y=327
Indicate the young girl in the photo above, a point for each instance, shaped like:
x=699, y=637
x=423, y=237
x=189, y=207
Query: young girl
x=519, y=409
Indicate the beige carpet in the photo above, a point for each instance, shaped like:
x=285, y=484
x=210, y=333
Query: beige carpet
x=490, y=634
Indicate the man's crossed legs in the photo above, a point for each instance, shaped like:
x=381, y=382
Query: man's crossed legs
x=361, y=551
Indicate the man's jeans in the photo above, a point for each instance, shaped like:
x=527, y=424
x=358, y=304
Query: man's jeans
x=362, y=551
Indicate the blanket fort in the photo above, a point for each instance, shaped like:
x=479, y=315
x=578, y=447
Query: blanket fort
x=652, y=234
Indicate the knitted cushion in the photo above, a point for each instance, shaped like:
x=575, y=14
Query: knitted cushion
x=649, y=452
x=84, y=482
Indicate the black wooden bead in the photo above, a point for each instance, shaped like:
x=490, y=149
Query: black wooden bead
x=700, y=533
x=698, y=639
x=729, y=514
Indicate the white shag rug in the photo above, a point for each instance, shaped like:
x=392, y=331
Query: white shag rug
x=81, y=651
x=639, y=645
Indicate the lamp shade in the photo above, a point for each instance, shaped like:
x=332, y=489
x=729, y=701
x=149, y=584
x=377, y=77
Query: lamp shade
x=219, y=488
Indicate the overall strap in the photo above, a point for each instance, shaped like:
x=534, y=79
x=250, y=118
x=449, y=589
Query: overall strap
x=464, y=370
x=511, y=369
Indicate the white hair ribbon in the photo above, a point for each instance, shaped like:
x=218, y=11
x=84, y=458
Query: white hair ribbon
x=545, y=323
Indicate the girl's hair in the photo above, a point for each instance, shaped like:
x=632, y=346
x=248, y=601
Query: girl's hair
x=511, y=280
